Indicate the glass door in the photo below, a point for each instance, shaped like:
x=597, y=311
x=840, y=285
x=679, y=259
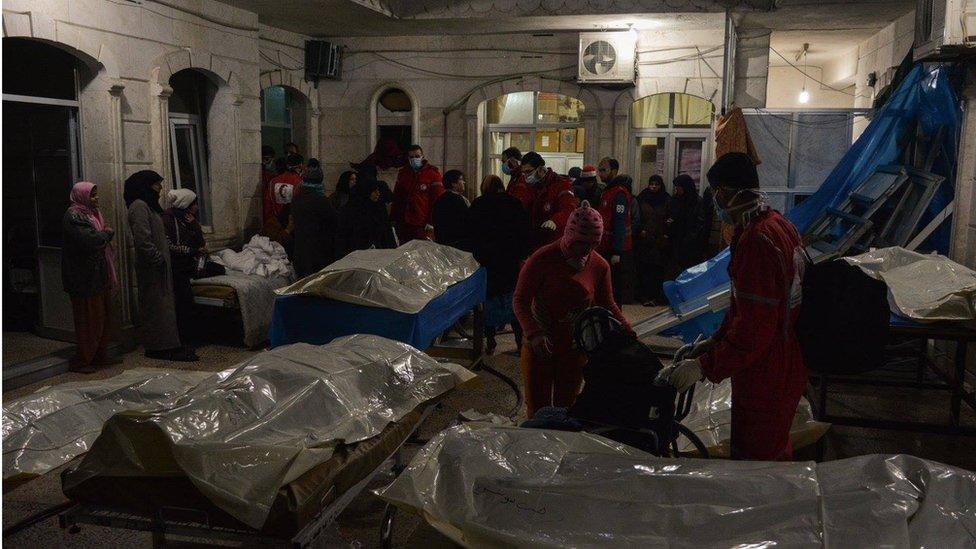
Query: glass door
x=668, y=154
x=689, y=158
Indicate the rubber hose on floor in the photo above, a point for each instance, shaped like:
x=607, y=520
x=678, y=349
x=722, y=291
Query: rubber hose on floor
x=36, y=517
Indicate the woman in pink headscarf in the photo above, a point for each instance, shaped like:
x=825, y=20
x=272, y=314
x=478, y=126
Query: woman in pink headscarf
x=88, y=275
x=558, y=282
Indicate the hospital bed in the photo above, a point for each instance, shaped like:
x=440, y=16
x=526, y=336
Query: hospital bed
x=246, y=297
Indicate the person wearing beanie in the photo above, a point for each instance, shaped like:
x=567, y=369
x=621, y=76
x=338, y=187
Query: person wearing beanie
x=186, y=247
x=557, y=283
x=756, y=345
x=553, y=200
x=313, y=224
x=588, y=186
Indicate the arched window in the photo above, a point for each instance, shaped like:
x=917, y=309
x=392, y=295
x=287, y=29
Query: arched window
x=394, y=118
x=41, y=162
x=671, y=135
x=189, y=107
x=284, y=119
x=548, y=123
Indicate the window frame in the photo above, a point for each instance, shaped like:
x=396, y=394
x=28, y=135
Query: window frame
x=200, y=167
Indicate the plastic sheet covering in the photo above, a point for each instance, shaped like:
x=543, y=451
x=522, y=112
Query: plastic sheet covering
x=925, y=97
x=404, y=279
x=922, y=287
x=53, y=425
x=710, y=418
x=493, y=486
x=239, y=437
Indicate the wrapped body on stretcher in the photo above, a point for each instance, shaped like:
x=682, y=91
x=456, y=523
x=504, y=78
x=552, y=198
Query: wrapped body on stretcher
x=241, y=438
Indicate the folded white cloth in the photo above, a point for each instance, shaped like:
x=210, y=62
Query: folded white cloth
x=260, y=256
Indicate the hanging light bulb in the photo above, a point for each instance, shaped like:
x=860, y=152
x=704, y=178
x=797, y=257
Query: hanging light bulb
x=804, y=94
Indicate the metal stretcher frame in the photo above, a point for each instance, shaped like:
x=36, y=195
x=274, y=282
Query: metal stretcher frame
x=473, y=349
x=161, y=526
x=953, y=382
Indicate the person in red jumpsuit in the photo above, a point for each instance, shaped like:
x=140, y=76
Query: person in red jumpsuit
x=756, y=344
x=556, y=284
x=553, y=202
x=517, y=187
x=418, y=186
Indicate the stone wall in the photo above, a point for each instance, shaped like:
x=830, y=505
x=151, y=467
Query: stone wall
x=450, y=77
x=133, y=49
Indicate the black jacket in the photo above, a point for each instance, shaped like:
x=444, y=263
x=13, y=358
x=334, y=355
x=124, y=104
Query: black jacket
x=185, y=238
x=84, y=270
x=500, y=239
x=363, y=224
x=450, y=220
x=314, y=238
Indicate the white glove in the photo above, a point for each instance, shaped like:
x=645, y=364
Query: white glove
x=429, y=228
x=549, y=225
x=614, y=259
x=682, y=375
x=693, y=350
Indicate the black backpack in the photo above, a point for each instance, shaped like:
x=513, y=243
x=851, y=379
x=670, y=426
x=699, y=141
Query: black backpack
x=844, y=319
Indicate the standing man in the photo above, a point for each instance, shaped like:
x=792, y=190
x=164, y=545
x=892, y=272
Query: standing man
x=756, y=344
x=517, y=187
x=587, y=186
x=617, y=245
x=554, y=199
x=281, y=191
x=418, y=186
x=607, y=168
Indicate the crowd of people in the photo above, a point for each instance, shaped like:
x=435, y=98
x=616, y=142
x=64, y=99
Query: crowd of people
x=553, y=246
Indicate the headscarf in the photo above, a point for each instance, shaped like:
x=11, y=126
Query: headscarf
x=81, y=203
x=181, y=199
x=654, y=199
x=139, y=187
x=688, y=184
x=585, y=225
x=342, y=186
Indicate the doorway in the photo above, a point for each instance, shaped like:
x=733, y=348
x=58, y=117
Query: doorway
x=41, y=162
x=671, y=135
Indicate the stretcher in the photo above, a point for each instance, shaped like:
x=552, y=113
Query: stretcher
x=249, y=296
x=172, y=510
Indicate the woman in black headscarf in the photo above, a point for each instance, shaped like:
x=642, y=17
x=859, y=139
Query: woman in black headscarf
x=364, y=221
x=651, y=249
x=684, y=225
x=158, y=331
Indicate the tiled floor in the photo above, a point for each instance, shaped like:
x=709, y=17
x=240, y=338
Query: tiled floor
x=359, y=524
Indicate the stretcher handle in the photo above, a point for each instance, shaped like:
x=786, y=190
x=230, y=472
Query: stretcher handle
x=161, y=514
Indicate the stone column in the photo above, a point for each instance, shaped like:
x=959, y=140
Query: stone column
x=473, y=153
x=591, y=135
x=119, y=220
x=159, y=120
x=238, y=100
x=963, y=246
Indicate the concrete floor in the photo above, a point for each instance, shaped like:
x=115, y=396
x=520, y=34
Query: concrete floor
x=358, y=526
x=24, y=346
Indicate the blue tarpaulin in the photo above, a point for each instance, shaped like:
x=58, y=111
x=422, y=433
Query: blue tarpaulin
x=319, y=320
x=926, y=98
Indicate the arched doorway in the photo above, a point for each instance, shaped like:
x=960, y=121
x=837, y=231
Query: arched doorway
x=285, y=119
x=671, y=134
x=548, y=123
x=41, y=161
x=189, y=110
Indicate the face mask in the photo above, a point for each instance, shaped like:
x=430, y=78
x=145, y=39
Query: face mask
x=532, y=178
x=723, y=215
x=753, y=205
x=506, y=169
x=416, y=163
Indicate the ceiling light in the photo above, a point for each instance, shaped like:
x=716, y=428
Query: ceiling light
x=804, y=97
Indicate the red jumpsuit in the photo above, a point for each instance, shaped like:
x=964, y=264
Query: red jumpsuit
x=554, y=201
x=413, y=199
x=549, y=296
x=518, y=188
x=267, y=210
x=756, y=345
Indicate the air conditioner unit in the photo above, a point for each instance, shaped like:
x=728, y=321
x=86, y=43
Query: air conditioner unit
x=944, y=29
x=607, y=57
